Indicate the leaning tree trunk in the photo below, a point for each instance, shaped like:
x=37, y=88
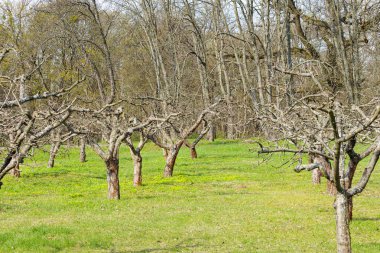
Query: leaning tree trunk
x=113, y=178
x=82, y=147
x=170, y=160
x=15, y=171
x=342, y=224
x=53, y=153
x=193, y=152
x=137, y=168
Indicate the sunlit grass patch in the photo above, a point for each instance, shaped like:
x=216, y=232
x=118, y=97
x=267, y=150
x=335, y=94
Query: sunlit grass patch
x=224, y=201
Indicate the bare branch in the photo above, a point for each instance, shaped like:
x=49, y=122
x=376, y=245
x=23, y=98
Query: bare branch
x=366, y=173
x=45, y=95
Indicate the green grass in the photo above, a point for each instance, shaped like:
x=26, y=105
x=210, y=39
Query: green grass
x=224, y=201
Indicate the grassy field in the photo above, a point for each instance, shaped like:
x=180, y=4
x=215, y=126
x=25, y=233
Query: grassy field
x=224, y=201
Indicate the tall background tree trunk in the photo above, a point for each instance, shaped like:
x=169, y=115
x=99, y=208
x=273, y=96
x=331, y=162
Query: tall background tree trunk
x=211, y=134
x=82, y=148
x=53, y=153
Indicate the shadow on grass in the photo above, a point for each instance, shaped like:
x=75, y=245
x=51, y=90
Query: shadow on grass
x=176, y=248
x=41, y=174
x=366, y=219
x=4, y=207
x=195, y=174
x=146, y=197
x=46, y=174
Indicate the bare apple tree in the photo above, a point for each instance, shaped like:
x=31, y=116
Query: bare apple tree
x=33, y=101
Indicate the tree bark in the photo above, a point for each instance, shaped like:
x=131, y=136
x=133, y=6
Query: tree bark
x=82, y=147
x=316, y=176
x=331, y=189
x=193, y=152
x=113, y=178
x=342, y=224
x=289, y=62
x=170, y=160
x=316, y=173
x=230, y=122
x=350, y=207
x=137, y=167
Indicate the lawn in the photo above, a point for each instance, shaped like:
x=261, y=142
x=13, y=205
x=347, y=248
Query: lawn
x=224, y=201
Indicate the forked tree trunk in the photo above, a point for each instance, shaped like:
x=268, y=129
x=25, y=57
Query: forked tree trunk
x=113, y=178
x=137, y=168
x=342, y=224
x=331, y=189
x=170, y=160
x=82, y=147
x=53, y=153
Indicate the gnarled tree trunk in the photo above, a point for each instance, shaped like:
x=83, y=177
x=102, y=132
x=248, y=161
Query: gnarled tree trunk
x=170, y=159
x=137, y=167
x=113, y=178
x=342, y=224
